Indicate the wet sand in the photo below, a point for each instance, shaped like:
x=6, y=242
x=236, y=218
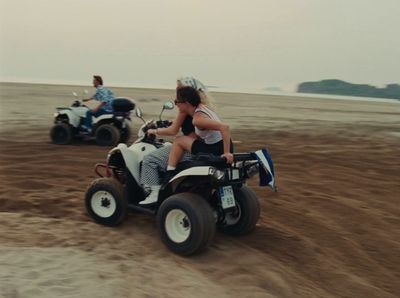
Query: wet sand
x=332, y=229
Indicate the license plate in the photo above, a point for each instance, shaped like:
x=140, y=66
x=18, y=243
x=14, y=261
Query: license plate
x=227, y=197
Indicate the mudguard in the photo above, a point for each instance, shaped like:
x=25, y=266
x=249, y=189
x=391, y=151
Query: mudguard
x=133, y=156
x=72, y=118
x=102, y=117
x=191, y=172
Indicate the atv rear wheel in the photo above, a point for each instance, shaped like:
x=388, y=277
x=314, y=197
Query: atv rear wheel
x=107, y=135
x=61, y=134
x=243, y=218
x=186, y=223
x=105, y=201
x=125, y=134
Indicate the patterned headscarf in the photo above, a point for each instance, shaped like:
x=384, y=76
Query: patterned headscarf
x=192, y=82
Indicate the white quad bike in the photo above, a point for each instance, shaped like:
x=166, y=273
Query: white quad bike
x=108, y=129
x=206, y=193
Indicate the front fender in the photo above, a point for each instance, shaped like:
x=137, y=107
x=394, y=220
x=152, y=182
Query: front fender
x=72, y=118
x=133, y=156
x=130, y=157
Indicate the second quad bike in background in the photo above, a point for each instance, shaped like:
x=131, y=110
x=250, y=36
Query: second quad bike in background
x=108, y=129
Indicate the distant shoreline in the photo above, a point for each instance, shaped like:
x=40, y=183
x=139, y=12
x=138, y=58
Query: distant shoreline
x=226, y=90
x=342, y=88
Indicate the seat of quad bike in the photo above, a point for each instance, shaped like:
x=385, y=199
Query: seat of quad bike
x=123, y=105
x=202, y=160
x=117, y=114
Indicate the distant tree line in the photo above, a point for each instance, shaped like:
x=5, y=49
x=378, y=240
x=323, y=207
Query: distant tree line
x=339, y=87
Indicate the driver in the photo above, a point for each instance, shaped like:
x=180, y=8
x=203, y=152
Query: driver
x=105, y=97
x=155, y=164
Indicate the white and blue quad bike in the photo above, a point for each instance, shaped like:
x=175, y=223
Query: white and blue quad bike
x=108, y=129
x=206, y=193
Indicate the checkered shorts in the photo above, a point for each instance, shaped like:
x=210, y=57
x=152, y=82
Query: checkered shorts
x=156, y=163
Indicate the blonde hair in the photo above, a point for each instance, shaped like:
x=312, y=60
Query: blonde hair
x=206, y=99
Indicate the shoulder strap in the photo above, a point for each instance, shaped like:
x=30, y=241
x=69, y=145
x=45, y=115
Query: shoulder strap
x=206, y=110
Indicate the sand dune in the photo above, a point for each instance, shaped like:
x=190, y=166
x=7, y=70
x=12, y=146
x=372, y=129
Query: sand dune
x=332, y=230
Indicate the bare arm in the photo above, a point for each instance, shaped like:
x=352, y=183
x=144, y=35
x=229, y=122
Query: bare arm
x=90, y=98
x=171, y=130
x=203, y=122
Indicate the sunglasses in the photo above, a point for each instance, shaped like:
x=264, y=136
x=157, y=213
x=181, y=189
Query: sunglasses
x=178, y=101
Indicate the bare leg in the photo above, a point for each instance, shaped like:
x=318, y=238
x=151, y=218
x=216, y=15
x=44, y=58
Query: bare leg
x=180, y=145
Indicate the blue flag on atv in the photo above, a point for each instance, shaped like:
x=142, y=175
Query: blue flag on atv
x=266, y=168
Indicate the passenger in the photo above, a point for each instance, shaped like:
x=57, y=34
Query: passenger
x=213, y=135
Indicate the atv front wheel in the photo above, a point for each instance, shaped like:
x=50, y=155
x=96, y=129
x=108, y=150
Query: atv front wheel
x=107, y=135
x=242, y=219
x=61, y=134
x=186, y=223
x=105, y=201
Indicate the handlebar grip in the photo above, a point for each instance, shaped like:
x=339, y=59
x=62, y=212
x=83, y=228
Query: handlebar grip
x=163, y=123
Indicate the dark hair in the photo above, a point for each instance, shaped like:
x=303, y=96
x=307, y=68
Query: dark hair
x=98, y=79
x=188, y=94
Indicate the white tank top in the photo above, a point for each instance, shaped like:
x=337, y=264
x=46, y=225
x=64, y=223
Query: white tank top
x=208, y=136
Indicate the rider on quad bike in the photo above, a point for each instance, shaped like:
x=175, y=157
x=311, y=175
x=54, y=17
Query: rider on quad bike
x=105, y=97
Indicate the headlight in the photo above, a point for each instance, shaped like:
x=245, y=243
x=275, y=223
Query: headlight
x=56, y=114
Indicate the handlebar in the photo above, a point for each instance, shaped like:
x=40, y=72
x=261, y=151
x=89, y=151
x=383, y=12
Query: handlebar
x=157, y=124
x=163, y=123
x=151, y=139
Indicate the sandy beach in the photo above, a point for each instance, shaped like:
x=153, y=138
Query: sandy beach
x=332, y=229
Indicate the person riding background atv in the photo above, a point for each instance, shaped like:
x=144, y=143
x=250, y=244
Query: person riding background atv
x=105, y=97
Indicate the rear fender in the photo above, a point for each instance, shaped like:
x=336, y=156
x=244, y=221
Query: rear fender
x=102, y=118
x=72, y=118
x=126, y=123
x=202, y=171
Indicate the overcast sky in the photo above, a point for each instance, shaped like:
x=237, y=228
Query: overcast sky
x=227, y=43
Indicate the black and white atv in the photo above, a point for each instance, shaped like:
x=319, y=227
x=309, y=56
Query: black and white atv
x=108, y=129
x=206, y=193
